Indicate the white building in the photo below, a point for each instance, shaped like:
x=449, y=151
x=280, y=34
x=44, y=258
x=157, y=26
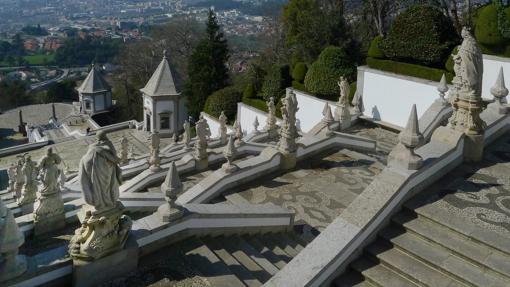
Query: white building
x=95, y=94
x=164, y=109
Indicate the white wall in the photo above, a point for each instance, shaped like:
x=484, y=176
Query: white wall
x=246, y=116
x=99, y=102
x=393, y=95
x=491, y=65
x=310, y=110
x=214, y=125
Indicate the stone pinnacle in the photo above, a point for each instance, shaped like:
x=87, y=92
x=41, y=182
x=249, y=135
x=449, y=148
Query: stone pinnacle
x=499, y=89
x=172, y=184
x=328, y=116
x=411, y=136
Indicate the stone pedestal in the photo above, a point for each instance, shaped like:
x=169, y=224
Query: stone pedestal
x=12, y=266
x=101, y=233
x=289, y=161
x=168, y=213
x=404, y=157
x=93, y=273
x=49, y=213
x=202, y=164
x=473, y=148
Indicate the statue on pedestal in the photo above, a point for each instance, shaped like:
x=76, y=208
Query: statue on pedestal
x=29, y=189
x=49, y=209
x=154, y=159
x=187, y=135
x=342, y=113
x=124, y=150
x=223, y=128
x=11, y=172
x=288, y=131
x=271, y=127
x=11, y=238
x=203, y=133
x=20, y=178
x=229, y=153
x=104, y=229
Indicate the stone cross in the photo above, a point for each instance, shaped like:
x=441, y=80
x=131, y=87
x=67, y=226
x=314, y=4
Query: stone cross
x=222, y=131
x=11, y=238
x=403, y=154
x=171, y=188
x=499, y=91
x=442, y=88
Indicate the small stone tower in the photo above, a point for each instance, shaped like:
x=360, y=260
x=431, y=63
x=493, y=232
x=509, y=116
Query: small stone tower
x=95, y=94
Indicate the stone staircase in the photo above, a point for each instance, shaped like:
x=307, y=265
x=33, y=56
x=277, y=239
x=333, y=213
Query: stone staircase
x=233, y=260
x=422, y=247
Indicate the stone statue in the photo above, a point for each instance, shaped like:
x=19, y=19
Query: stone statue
x=28, y=192
x=203, y=133
x=206, y=127
x=288, y=131
x=466, y=96
x=345, y=89
x=271, y=119
x=104, y=229
x=20, y=178
x=222, y=131
x=11, y=172
x=124, y=150
x=49, y=212
x=11, y=238
x=187, y=135
x=154, y=160
x=342, y=113
x=357, y=102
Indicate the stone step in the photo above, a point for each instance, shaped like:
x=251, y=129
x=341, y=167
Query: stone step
x=235, y=267
x=460, y=225
x=351, y=278
x=281, y=241
x=378, y=275
x=209, y=265
x=260, y=259
x=275, y=259
x=406, y=266
x=293, y=243
x=460, y=245
x=298, y=238
x=232, y=245
x=265, y=241
x=442, y=259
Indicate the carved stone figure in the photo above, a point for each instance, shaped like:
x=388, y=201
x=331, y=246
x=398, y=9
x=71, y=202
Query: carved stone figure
x=20, y=178
x=357, y=102
x=28, y=192
x=11, y=238
x=49, y=212
x=288, y=130
x=124, y=150
x=11, y=172
x=104, y=229
x=271, y=127
x=154, y=159
x=171, y=187
x=187, y=135
x=222, y=130
x=203, y=133
x=466, y=97
x=342, y=113
x=345, y=89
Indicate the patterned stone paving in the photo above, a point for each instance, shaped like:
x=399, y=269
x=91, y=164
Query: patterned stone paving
x=319, y=189
x=478, y=193
x=386, y=139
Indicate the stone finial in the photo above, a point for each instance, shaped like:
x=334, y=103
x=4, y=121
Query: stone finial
x=222, y=130
x=238, y=133
x=328, y=116
x=256, y=125
x=403, y=154
x=499, y=91
x=442, y=88
x=229, y=153
x=171, y=188
x=11, y=238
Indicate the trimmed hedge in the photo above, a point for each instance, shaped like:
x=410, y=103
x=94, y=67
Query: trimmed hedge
x=486, y=28
x=277, y=79
x=299, y=72
x=225, y=100
x=249, y=91
x=299, y=86
x=321, y=79
x=421, y=34
x=409, y=69
x=375, y=51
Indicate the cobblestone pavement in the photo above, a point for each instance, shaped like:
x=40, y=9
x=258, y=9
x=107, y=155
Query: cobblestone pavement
x=318, y=190
x=478, y=193
x=386, y=139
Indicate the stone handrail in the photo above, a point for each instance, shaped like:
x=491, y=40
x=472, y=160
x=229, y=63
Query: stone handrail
x=22, y=148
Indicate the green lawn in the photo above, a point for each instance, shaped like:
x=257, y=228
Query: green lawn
x=40, y=59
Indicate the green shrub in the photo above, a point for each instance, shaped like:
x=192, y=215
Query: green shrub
x=354, y=86
x=275, y=82
x=299, y=72
x=449, y=62
x=256, y=103
x=375, y=51
x=249, y=91
x=298, y=86
x=225, y=100
x=324, y=73
x=421, y=34
x=407, y=69
x=486, y=28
